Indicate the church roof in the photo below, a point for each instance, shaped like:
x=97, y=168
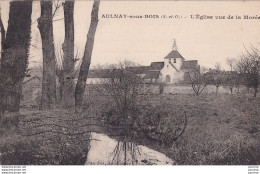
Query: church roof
x=174, y=54
x=190, y=64
x=156, y=65
x=152, y=75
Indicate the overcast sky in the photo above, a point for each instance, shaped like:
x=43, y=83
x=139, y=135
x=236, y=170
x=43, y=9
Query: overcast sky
x=148, y=40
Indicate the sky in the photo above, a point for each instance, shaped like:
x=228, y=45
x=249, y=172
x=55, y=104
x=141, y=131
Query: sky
x=147, y=40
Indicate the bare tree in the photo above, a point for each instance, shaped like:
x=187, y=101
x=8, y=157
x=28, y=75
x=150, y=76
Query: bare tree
x=216, y=76
x=60, y=74
x=231, y=80
x=123, y=86
x=45, y=26
x=57, y=4
x=84, y=68
x=198, y=80
x=130, y=108
x=238, y=77
x=14, y=57
x=249, y=66
x=231, y=77
x=217, y=66
x=217, y=79
x=68, y=55
x=231, y=62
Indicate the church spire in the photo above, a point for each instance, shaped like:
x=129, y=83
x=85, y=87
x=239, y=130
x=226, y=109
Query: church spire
x=174, y=47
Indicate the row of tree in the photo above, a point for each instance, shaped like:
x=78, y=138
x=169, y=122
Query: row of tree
x=15, y=44
x=243, y=71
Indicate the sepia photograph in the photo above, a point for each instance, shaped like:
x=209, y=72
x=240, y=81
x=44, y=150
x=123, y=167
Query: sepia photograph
x=90, y=82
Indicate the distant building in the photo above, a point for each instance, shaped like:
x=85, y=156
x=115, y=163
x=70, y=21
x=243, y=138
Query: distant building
x=172, y=70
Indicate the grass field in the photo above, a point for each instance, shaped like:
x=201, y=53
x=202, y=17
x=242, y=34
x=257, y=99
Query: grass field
x=221, y=130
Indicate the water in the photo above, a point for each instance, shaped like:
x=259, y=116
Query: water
x=107, y=151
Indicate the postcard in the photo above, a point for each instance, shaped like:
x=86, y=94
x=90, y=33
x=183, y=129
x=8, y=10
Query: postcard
x=129, y=83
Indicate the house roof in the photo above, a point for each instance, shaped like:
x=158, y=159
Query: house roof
x=113, y=73
x=214, y=71
x=156, y=65
x=190, y=64
x=152, y=75
x=105, y=73
x=138, y=69
x=174, y=54
x=101, y=73
x=143, y=69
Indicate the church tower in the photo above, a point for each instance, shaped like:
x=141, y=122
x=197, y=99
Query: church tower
x=174, y=58
x=171, y=72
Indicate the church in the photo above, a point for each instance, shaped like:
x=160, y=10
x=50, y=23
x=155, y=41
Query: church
x=173, y=70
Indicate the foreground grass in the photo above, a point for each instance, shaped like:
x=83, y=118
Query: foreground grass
x=36, y=142
x=221, y=129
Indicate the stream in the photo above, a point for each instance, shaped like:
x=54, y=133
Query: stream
x=107, y=151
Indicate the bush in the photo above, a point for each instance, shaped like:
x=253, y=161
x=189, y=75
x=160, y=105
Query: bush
x=150, y=121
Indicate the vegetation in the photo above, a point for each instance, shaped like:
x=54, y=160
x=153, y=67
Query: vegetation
x=84, y=67
x=220, y=130
x=14, y=59
x=45, y=25
x=66, y=77
x=249, y=67
x=198, y=80
x=44, y=139
x=195, y=129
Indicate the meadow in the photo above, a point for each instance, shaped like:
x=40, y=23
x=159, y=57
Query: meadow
x=221, y=129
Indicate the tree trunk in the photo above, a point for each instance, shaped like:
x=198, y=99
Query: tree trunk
x=83, y=73
x=2, y=33
x=14, y=59
x=125, y=151
x=2, y=45
x=60, y=75
x=45, y=26
x=161, y=88
x=68, y=55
